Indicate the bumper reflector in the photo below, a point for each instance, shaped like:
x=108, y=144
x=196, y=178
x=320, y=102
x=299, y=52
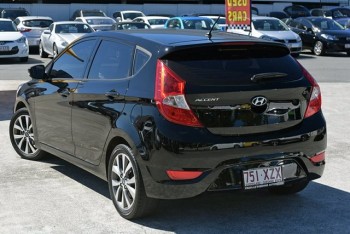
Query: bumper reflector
x=318, y=157
x=183, y=175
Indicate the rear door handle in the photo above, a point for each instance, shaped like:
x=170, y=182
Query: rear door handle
x=65, y=93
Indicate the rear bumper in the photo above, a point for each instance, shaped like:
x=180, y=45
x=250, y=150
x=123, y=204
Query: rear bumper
x=222, y=167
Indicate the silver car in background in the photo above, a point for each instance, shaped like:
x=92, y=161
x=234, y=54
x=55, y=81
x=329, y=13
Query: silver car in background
x=273, y=29
x=32, y=27
x=98, y=23
x=59, y=35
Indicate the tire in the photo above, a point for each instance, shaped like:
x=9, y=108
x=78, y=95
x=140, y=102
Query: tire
x=126, y=186
x=318, y=48
x=23, y=59
x=22, y=136
x=348, y=53
x=42, y=52
x=290, y=188
x=54, y=51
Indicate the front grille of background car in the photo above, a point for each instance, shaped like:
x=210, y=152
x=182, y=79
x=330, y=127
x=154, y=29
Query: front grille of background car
x=14, y=50
x=295, y=49
x=5, y=42
x=288, y=41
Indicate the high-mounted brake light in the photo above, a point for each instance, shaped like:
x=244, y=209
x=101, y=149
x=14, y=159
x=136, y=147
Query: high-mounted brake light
x=170, y=99
x=25, y=30
x=315, y=100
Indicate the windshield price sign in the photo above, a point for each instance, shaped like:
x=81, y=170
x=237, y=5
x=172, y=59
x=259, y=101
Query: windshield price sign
x=238, y=12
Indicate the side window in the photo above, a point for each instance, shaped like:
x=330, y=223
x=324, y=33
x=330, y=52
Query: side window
x=112, y=61
x=73, y=62
x=141, y=58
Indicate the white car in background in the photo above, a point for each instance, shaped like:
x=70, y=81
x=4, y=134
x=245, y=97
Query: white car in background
x=273, y=29
x=122, y=16
x=13, y=44
x=221, y=22
x=32, y=27
x=59, y=35
x=98, y=23
x=154, y=21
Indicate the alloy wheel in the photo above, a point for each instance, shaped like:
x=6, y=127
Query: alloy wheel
x=23, y=135
x=123, y=181
x=318, y=48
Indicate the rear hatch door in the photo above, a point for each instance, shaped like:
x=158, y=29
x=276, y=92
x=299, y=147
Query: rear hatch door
x=242, y=88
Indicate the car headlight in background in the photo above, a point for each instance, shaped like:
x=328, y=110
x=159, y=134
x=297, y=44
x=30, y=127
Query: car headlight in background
x=22, y=40
x=64, y=43
x=267, y=38
x=329, y=37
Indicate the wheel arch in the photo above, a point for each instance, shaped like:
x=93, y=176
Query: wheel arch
x=20, y=105
x=117, y=140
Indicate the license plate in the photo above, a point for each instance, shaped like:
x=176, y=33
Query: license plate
x=4, y=48
x=347, y=46
x=262, y=177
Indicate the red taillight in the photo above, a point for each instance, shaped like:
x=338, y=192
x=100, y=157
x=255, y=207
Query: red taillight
x=315, y=100
x=318, y=157
x=25, y=30
x=183, y=175
x=169, y=95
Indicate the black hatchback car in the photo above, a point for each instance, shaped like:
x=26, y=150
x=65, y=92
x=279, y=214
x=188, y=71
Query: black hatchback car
x=321, y=35
x=168, y=114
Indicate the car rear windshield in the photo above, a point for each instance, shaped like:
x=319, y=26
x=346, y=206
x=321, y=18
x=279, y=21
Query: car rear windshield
x=93, y=13
x=7, y=26
x=37, y=23
x=232, y=64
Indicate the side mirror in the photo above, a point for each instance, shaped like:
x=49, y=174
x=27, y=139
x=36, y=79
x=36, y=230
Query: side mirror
x=37, y=72
x=47, y=31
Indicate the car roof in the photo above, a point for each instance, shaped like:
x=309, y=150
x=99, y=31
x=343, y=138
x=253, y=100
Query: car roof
x=94, y=17
x=152, y=17
x=189, y=17
x=5, y=19
x=263, y=17
x=173, y=37
x=34, y=17
x=130, y=11
x=68, y=22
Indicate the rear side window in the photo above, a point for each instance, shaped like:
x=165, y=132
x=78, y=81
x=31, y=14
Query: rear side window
x=232, y=65
x=112, y=61
x=141, y=58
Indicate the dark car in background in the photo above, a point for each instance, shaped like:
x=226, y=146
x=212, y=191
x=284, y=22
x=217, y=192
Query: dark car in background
x=345, y=22
x=13, y=13
x=144, y=109
x=321, y=35
x=130, y=25
x=338, y=12
x=295, y=11
x=278, y=14
x=86, y=13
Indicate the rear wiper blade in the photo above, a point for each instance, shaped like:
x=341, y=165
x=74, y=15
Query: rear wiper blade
x=267, y=76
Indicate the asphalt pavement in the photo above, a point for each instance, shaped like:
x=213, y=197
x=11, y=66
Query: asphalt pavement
x=53, y=196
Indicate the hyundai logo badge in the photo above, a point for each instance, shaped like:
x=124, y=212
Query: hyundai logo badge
x=259, y=101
